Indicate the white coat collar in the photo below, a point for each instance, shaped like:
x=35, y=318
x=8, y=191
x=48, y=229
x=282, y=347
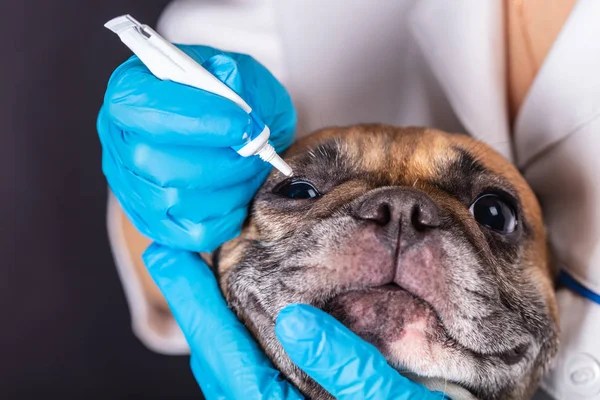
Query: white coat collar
x=463, y=43
x=565, y=94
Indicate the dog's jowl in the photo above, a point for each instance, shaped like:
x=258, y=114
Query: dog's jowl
x=429, y=245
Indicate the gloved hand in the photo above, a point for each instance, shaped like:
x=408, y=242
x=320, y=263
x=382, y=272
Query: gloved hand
x=229, y=364
x=166, y=147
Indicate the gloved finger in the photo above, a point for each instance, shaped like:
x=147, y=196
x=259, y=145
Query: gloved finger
x=340, y=361
x=284, y=137
x=209, y=234
x=265, y=94
x=199, y=205
x=195, y=205
x=259, y=88
x=146, y=205
x=169, y=112
x=185, y=167
x=206, y=236
x=212, y=331
x=268, y=98
x=143, y=204
x=224, y=67
x=175, y=166
x=209, y=385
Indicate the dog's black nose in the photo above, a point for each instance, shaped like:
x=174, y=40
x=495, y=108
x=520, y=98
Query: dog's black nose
x=399, y=211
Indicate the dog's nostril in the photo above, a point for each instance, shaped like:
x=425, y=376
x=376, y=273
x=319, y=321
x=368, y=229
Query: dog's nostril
x=383, y=214
x=416, y=219
x=379, y=212
x=424, y=216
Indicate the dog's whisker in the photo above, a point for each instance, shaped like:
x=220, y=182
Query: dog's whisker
x=445, y=390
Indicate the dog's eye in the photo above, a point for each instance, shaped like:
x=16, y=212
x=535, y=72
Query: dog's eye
x=493, y=212
x=297, y=189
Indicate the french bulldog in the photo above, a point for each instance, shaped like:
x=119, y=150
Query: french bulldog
x=428, y=245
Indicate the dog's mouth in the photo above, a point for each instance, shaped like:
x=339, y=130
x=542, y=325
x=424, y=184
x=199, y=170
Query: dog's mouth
x=404, y=327
x=385, y=313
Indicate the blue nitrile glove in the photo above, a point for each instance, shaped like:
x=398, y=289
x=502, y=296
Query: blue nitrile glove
x=166, y=147
x=229, y=364
x=340, y=361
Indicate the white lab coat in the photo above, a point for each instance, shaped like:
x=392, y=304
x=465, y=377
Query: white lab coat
x=439, y=64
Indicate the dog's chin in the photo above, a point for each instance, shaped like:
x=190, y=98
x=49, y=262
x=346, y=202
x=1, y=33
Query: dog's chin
x=386, y=315
x=404, y=328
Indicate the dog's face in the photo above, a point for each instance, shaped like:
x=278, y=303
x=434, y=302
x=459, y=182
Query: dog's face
x=429, y=245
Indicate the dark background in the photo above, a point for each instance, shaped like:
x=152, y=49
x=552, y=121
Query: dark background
x=65, y=329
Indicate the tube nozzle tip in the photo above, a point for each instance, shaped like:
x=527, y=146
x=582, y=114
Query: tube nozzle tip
x=267, y=153
x=282, y=166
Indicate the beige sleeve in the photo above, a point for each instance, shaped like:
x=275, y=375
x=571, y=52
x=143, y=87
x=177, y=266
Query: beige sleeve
x=151, y=319
x=532, y=27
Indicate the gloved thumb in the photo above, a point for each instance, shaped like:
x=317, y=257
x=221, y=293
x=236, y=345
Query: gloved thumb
x=340, y=361
x=226, y=70
x=221, y=65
